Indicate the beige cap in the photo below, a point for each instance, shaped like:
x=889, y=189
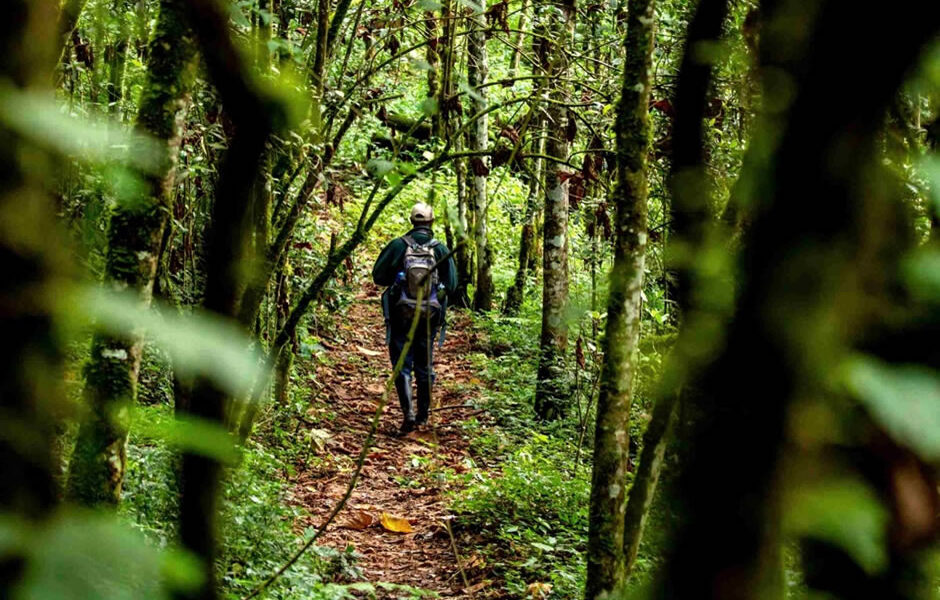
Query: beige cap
x=422, y=213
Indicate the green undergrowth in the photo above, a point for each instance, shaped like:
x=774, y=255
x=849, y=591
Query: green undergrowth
x=257, y=521
x=526, y=503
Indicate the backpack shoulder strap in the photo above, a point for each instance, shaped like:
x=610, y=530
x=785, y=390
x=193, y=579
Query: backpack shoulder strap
x=409, y=241
x=433, y=244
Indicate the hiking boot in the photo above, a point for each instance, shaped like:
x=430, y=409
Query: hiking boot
x=407, y=426
x=424, y=402
x=405, y=400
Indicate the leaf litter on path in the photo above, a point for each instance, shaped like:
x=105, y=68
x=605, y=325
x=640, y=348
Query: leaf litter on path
x=395, y=493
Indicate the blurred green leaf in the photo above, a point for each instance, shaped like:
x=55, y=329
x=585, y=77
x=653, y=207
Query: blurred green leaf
x=429, y=106
x=199, y=343
x=904, y=399
x=39, y=118
x=921, y=272
x=845, y=513
x=89, y=556
x=191, y=434
x=378, y=167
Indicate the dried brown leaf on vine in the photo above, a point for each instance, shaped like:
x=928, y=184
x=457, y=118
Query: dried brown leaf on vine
x=479, y=167
x=571, y=128
x=579, y=352
x=510, y=133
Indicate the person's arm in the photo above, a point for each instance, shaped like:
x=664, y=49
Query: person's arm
x=386, y=265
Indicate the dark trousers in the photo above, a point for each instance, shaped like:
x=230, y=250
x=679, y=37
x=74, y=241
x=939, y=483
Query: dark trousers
x=418, y=364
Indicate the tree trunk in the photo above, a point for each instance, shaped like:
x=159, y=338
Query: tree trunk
x=134, y=238
x=31, y=360
x=479, y=165
x=551, y=391
x=785, y=331
x=252, y=116
x=117, y=60
x=516, y=291
x=606, y=558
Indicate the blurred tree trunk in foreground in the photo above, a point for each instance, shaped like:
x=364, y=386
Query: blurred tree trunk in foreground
x=794, y=321
x=551, y=395
x=252, y=117
x=134, y=238
x=605, y=564
x=691, y=196
x=31, y=367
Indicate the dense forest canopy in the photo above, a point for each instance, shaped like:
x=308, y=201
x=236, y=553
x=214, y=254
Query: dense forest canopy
x=675, y=336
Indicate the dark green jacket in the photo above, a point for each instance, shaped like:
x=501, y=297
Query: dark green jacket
x=391, y=261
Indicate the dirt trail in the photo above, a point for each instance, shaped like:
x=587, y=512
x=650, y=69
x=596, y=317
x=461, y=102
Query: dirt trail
x=399, y=475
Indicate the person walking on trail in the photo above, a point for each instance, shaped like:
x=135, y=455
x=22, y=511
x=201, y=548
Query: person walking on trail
x=418, y=275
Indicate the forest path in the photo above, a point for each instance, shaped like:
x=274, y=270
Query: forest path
x=402, y=477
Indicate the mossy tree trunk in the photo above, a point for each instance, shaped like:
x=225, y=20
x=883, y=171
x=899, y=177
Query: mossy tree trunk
x=527, y=240
x=606, y=557
x=134, y=238
x=477, y=69
x=551, y=391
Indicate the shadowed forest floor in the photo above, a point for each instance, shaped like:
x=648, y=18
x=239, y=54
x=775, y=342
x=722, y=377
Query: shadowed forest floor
x=403, y=478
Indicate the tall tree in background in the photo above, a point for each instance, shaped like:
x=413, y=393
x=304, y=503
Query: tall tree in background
x=134, y=238
x=477, y=69
x=605, y=564
x=558, y=19
x=31, y=368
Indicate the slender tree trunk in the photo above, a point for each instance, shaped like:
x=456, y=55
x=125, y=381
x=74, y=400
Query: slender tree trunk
x=479, y=165
x=134, y=238
x=117, y=60
x=519, y=41
x=516, y=291
x=606, y=558
x=252, y=116
x=551, y=391
x=67, y=22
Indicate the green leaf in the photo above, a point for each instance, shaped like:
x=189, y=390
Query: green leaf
x=87, y=556
x=238, y=16
x=845, y=513
x=430, y=5
x=379, y=167
x=904, y=399
x=921, y=272
x=429, y=106
x=40, y=119
x=191, y=434
x=199, y=344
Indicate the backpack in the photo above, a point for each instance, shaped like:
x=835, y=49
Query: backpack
x=419, y=272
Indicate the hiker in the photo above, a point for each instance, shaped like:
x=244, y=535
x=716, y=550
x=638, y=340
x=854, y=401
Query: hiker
x=412, y=261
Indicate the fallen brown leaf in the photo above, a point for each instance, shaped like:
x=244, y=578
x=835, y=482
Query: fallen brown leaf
x=368, y=352
x=538, y=590
x=359, y=521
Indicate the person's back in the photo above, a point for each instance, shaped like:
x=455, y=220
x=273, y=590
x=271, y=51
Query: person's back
x=406, y=263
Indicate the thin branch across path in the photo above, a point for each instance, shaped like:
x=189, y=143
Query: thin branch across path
x=399, y=475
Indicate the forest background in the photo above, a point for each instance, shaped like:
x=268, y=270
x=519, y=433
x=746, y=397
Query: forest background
x=697, y=315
